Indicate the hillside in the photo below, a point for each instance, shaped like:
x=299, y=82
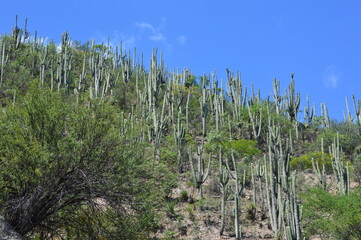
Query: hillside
x=96, y=145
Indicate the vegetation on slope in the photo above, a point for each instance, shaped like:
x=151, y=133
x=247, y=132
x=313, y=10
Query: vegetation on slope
x=94, y=146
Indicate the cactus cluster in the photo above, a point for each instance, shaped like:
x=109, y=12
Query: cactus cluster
x=173, y=104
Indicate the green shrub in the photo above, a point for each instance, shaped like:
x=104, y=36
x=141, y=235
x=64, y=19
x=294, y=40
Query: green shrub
x=305, y=162
x=251, y=212
x=332, y=217
x=183, y=197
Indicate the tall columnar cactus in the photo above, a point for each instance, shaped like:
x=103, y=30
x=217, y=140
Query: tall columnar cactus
x=283, y=207
x=17, y=33
x=258, y=173
x=96, y=64
x=44, y=62
x=321, y=175
x=179, y=136
x=235, y=92
x=341, y=171
x=293, y=212
x=255, y=118
x=224, y=187
x=309, y=113
x=237, y=190
x=277, y=98
x=348, y=118
x=216, y=103
x=200, y=174
x=292, y=101
x=326, y=122
x=357, y=108
x=3, y=61
x=254, y=99
x=64, y=62
x=160, y=123
x=82, y=74
x=176, y=92
x=275, y=166
x=204, y=111
x=126, y=64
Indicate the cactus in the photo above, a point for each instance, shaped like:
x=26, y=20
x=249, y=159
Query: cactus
x=64, y=62
x=126, y=64
x=258, y=172
x=326, y=122
x=309, y=113
x=3, y=61
x=284, y=211
x=256, y=121
x=292, y=101
x=357, y=108
x=224, y=186
x=237, y=190
x=235, y=92
x=17, y=33
x=340, y=171
x=293, y=212
x=216, y=102
x=253, y=99
x=44, y=62
x=321, y=175
x=200, y=174
x=96, y=68
x=276, y=95
x=159, y=127
x=179, y=134
x=349, y=117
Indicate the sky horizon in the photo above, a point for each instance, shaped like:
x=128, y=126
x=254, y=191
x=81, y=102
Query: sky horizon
x=318, y=41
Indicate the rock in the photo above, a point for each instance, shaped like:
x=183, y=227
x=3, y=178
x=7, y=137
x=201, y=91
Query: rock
x=7, y=232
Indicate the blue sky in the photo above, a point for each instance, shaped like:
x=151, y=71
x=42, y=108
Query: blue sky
x=320, y=41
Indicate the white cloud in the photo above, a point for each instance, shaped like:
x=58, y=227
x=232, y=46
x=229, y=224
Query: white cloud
x=331, y=78
x=181, y=40
x=155, y=33
x=128, y=40
x=143, y=31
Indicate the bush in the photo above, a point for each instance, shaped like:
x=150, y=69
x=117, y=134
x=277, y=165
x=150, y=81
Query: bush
x=251, y=212
x=183, y=197
x=305, y=162
x=330, y=216
x=58, y=158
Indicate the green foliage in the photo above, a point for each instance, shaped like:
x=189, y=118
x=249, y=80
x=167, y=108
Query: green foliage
x=77, y=166
x=251, y=211
x=183, y=196
x=332, y=217
x=169, y=152
x=215, y=139
x=170, y=209
x=305, y=162
x=349, y=139
x=57, y=158
x=242, y=148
